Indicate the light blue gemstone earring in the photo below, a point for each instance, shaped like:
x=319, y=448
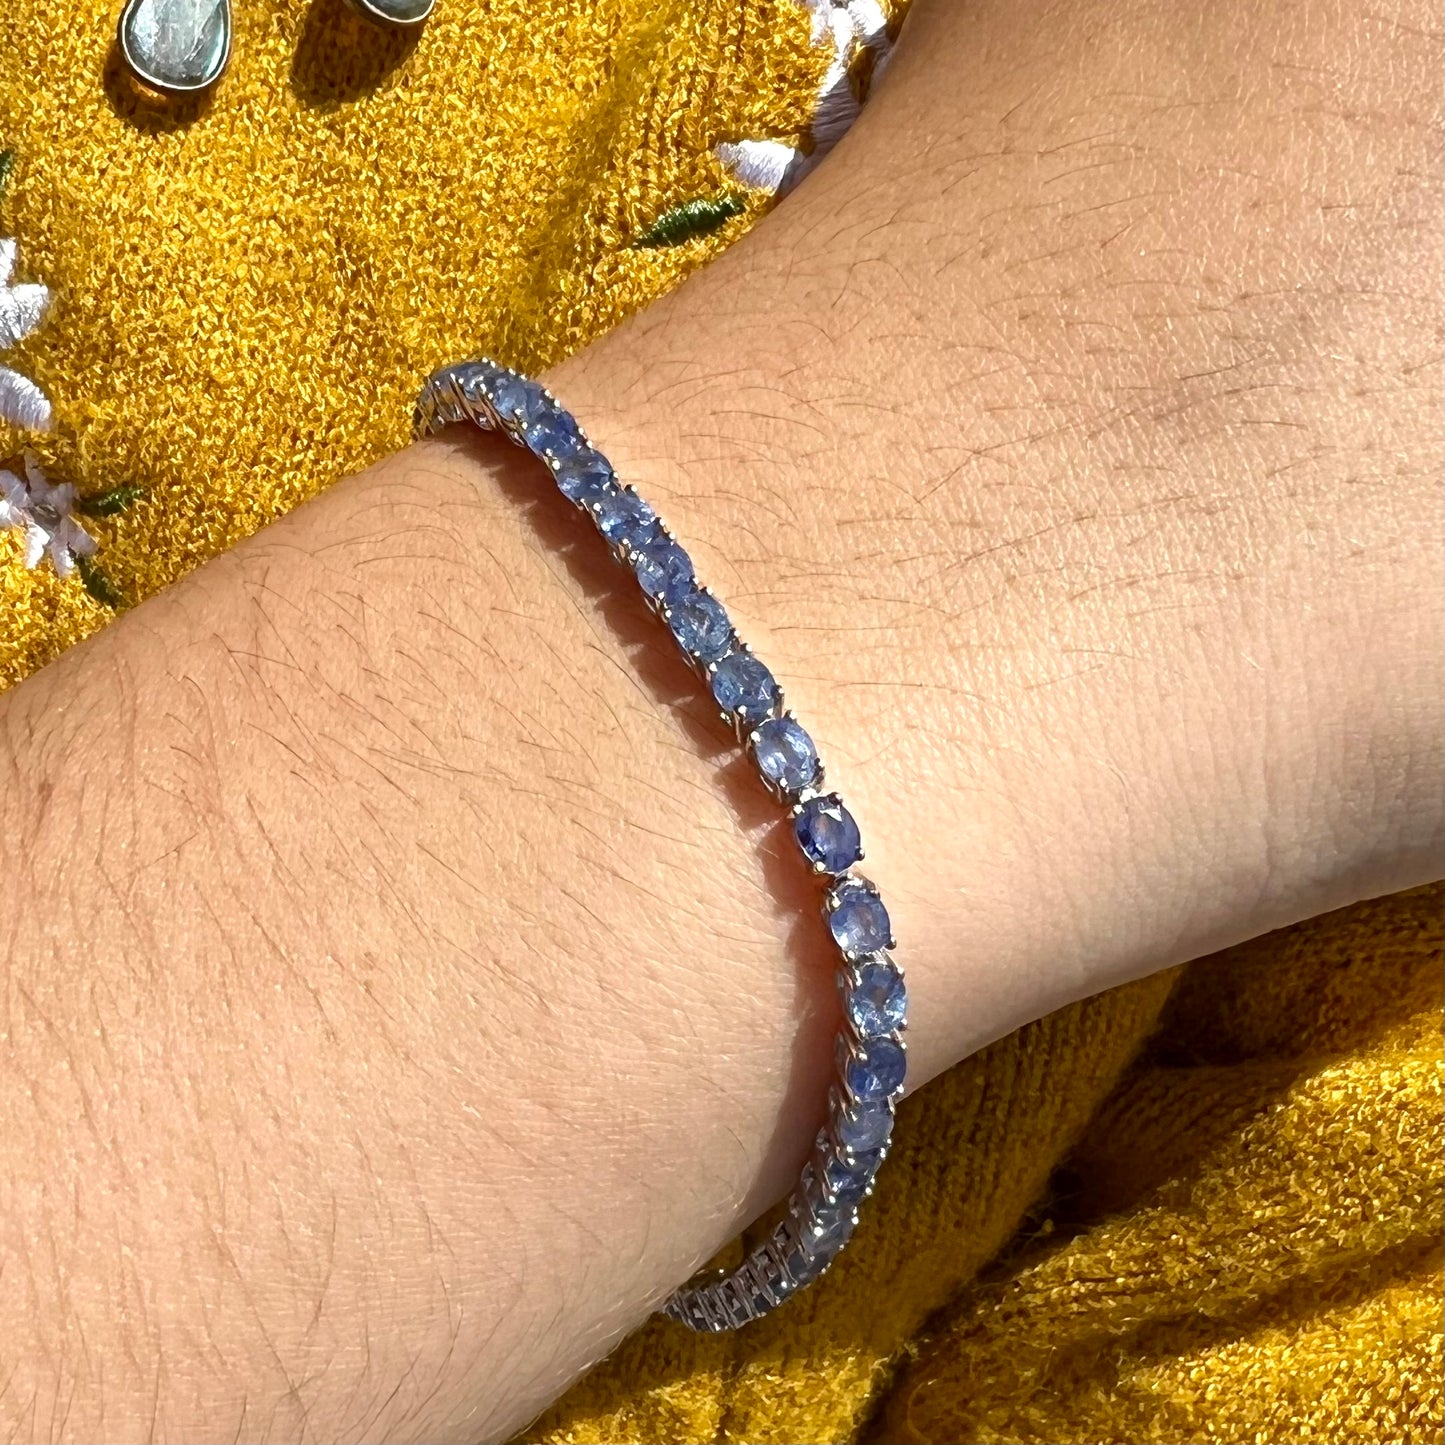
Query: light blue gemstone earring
x=176, y=46
x=402, y=14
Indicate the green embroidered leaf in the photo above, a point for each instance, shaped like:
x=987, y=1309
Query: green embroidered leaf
x=7, y=161
x=691, y=219
x=98, y=584
x=108, y=503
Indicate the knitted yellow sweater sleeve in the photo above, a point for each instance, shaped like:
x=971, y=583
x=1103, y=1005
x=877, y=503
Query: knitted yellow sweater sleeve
x=1234, y=1238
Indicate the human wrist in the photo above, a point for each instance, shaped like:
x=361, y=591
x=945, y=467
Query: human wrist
x=1098, y=741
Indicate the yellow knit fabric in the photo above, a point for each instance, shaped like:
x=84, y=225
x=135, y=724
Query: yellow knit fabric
x=248, y=292
x=1233, y=1237
x=1242, y=1244
x=1246, y=1245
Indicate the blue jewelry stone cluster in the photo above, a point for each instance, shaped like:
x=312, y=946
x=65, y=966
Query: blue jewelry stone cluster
x=871, y=1059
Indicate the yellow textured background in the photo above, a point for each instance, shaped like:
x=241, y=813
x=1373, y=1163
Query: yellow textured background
x=248, y=292
x=1231, y=1236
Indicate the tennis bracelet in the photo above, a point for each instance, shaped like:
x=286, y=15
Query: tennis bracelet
x=823, y=1209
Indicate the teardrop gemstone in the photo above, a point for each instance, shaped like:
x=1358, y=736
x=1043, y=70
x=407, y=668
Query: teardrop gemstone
x=176, y=45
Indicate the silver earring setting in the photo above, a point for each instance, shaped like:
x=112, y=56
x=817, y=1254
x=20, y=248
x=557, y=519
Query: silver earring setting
x=180, y=47
x=176, y=46
x=398, y=14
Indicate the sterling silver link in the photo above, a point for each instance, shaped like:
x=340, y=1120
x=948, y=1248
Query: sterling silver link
x=869, y=1058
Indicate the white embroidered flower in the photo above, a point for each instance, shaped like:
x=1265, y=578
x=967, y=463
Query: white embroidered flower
x=844, y=25
x=21, y=307
x=47, y=514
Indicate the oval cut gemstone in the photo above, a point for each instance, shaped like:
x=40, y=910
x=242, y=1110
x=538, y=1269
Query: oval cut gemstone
x=879, y=1003
x=785, y=753
x=827, y=834
x=585, y=477
x=859, y=921
x=513, y=396
x=700, y=625
x=820, y=1240
x=879, y=1070
x=743, y=685
x=867, y=1127
x=835, y=1223
x=624, y=517
x=848, y=1179
x=475, y=379
x=551, y=430
x=664, y=570
x=804, y=1266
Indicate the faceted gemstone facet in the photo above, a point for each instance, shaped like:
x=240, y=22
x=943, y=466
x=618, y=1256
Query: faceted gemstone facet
x=848, y=1179
x=835, y=1223
x=785, y=753
x=879, y=1003
x=742, y=684
x=623, y=516
x=664, y=570
x=879, y=1070
x=550, y=429
x=585, y=477
x=827, y=834
x=514, y=397
x=867, y=1127
x=859, y=921
x=804, y=1266
x=475, y=379
x=700, y=625
x=176, y=44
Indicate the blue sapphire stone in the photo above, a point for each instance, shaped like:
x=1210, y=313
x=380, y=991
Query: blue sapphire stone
x=879, y=1070
x=867, y=1127
x=700, y=625
x=624, y=517
x=741, y=684
x=475, y=379
x=513, y=396
x=584, y=477
x=879, y=1004
x=664, y=570
x=836, y=1223
x=549, y=429
x=803, y=1268
x=849, y=1179
x=859, y=921
x=827, y=834
x=785, y=753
